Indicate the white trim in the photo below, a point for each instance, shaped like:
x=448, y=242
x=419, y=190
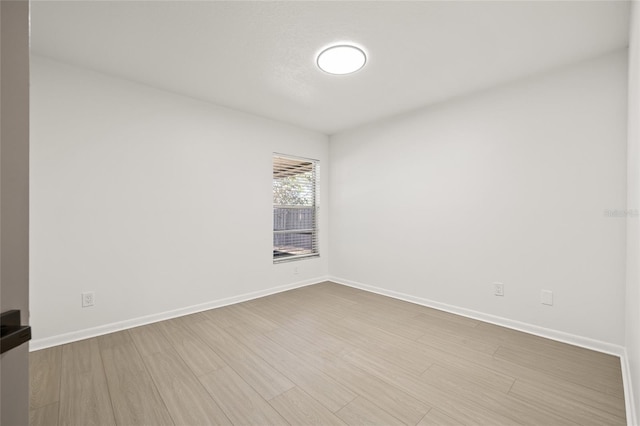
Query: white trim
x=548, y=333
x=632, y=420
x=74, y=336
x=572, y=339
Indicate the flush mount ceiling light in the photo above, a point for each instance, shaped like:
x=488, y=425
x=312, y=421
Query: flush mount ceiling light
x=341, y=59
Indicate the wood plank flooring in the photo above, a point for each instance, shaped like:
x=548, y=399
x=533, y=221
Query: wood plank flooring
x=325, y=355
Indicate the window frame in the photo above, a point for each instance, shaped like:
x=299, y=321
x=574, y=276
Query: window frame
x=314, y=231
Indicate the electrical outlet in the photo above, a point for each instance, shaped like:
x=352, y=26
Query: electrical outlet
x=546, y=297
x=498, y=289
x=88, y=299
x=295, y=270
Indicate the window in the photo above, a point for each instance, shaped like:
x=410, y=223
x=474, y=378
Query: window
x=295, y=208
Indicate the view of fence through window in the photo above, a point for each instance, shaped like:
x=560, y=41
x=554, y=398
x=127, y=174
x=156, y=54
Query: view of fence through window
x=295, y=208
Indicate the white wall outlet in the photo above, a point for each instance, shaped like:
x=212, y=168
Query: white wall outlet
x=296, y=271
x=546, y=297
x=498, y=289
x=88, y=299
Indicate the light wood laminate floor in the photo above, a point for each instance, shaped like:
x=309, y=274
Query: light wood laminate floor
x=324, y=354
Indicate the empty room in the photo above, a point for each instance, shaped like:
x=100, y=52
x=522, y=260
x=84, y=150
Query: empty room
x=320, y=212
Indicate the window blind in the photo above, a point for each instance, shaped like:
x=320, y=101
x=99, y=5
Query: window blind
x=295, y=208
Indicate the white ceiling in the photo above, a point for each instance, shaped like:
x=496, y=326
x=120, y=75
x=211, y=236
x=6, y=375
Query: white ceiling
x=259, y=57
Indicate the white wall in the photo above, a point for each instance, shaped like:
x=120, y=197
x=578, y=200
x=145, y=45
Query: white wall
x=633, y=200
x=155, y=201
x=507, y=185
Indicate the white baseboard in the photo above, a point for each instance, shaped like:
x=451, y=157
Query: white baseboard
x=585, y=342
x=572, y=339
x=632, y=420
x=74, y=336
x=560, y=336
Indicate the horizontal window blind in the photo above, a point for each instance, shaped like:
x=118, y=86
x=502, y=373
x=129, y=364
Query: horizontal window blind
x=295, y=208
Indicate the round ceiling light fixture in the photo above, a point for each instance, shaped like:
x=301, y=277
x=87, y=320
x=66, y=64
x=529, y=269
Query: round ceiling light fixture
x=341, y=59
